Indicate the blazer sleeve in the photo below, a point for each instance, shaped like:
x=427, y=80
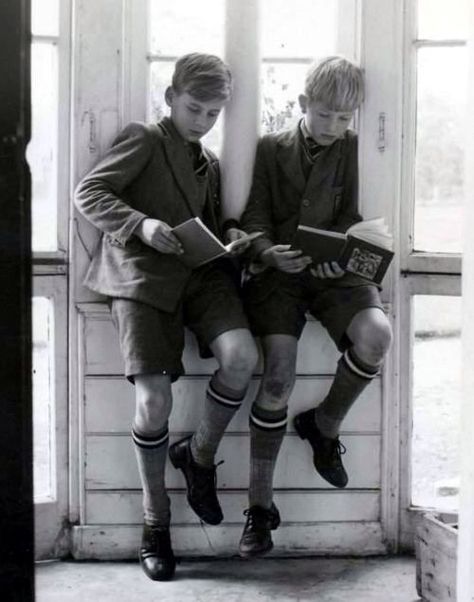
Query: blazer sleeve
x=349, y=210
x=257, y=215
x=99, y=194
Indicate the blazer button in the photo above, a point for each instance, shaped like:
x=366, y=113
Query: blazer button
x=306, y=203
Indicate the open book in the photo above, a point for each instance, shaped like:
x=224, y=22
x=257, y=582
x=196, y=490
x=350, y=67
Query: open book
x=201, y=245
x=366, y=249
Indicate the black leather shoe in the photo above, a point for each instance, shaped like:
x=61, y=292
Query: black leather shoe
x=256, y=539
x=200, y=481
x=156, y=555
x=326, y=451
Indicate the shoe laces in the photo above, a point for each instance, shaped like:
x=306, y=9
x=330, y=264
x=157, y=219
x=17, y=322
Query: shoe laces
x=208, y=475
x=338, y=448
x=256, y=517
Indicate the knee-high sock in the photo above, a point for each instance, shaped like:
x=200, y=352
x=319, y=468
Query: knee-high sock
x=352, y=376
x=220, y=406
x=267, y=429
x=151, y=451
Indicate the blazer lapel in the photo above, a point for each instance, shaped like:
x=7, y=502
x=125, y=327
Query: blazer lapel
x=180, y=165
x=289, y=158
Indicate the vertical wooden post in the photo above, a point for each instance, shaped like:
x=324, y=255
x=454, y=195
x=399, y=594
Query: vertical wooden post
x=241, y=125
x=16, y=437
x=465, y=573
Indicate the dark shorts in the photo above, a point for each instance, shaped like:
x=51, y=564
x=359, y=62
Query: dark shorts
x=152, y=341
x=276, y=303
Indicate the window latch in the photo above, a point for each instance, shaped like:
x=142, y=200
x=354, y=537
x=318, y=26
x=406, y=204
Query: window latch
x=381, y=133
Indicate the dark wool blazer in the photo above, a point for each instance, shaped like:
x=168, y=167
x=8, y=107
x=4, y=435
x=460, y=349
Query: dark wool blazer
x=281, y=197
x=147, y=172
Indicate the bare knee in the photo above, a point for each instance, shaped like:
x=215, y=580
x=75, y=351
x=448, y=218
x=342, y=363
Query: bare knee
x=153, y=402
x=277, y=384
x=374, y=341
x=238, y=360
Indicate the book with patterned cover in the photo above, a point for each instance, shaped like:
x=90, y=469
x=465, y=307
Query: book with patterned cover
x=365, y=249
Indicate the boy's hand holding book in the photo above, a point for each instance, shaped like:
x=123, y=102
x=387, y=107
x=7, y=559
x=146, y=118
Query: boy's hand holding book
x=238, y=239
x=331, y=270
x=364, y=250
x=283, y=258
x=159, y=236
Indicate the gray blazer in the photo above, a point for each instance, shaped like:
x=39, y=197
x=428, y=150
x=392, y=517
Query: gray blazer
x=147, y=172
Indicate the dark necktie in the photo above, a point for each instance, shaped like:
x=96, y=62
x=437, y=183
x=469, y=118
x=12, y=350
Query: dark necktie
x=313, y=149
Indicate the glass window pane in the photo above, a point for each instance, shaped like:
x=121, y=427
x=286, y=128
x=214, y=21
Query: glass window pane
x=45, y=17
x=302, y=28
x=440, y=142
x=281, y=85
x=443, y=19
x=43, y=398
x=436, y=401
x=43, y=149
x=160, y=78
x=181, y=26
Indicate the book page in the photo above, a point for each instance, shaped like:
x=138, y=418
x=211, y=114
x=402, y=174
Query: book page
x=374, y=231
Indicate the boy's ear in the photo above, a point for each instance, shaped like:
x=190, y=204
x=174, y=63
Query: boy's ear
x=169, y=94
x=303, y=100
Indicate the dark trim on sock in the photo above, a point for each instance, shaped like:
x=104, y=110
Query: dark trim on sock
x=268, y=420
x=223, y=400
x=150, y=441
x=356, y=366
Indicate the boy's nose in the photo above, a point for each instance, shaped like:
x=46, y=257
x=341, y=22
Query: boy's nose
x=332, y=125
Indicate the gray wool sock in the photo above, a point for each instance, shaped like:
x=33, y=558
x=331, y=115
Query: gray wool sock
x=151, y=450
x=267, y=429
x=220, y=406
x=352, y=377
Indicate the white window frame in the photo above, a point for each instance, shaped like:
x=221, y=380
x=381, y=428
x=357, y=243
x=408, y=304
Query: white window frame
x=50, y=280
x=421, y=273
x=51, y=512
x=62, y=42
x=416, y=261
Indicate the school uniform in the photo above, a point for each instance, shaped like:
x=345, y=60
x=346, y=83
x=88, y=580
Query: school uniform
x=150, y=171
x=295, y=184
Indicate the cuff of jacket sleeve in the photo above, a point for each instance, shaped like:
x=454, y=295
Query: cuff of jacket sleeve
x=259, y=246
x=128, y=230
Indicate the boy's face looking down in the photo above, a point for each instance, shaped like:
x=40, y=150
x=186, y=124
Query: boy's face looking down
x=324, y=126
x=192, y=118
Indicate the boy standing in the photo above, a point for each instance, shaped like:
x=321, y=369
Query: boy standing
x=307, y=176
x=151, y=179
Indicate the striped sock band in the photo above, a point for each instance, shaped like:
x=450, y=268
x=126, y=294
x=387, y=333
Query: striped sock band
x=268, y=420
x=150, y=441
x=220, y=394
x=357, y=366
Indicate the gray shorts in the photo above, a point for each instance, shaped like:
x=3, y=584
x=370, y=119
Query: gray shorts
x=276, y=303
x=152, y=341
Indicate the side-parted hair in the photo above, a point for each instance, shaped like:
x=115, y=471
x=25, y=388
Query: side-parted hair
x=204, y=76
x=336, y=82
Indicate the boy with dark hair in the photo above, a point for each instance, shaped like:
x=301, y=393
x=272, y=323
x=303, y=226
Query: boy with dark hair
x=307, y=176
x=153, y=178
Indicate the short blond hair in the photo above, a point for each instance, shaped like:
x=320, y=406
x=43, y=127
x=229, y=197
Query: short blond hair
x=336, y=82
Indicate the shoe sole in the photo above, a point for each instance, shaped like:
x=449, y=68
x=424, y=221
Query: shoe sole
x=252, y=554
x=179, y=465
